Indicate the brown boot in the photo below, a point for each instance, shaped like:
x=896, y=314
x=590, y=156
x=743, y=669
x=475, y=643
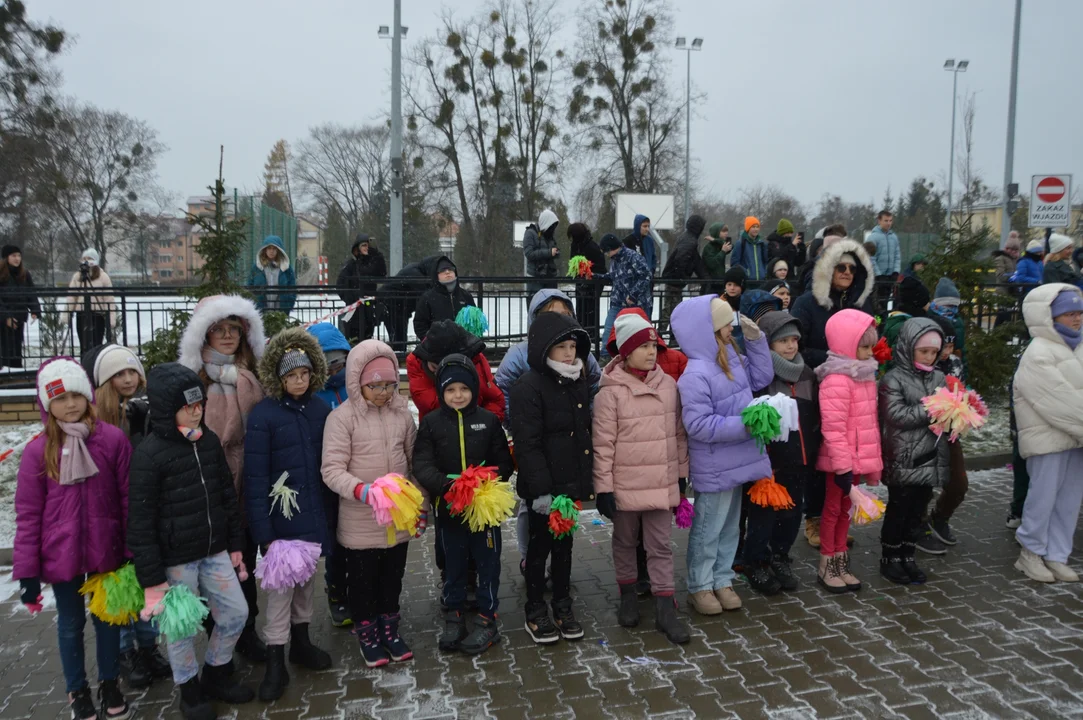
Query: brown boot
x=812, y=531
x=829, y=576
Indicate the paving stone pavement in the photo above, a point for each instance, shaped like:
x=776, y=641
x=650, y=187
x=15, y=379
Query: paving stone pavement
x=978, y=641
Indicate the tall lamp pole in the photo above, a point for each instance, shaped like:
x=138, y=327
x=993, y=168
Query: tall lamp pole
x=681, y=44
x=1009, y=149
x=954, y=69
x=396, y=33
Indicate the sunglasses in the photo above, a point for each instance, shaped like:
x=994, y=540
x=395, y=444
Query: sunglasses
x=845, y=268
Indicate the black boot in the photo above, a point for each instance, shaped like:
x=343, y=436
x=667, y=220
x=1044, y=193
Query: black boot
x=250, y=646
x=303, y=652
x=628, y=614
x=783, y=570
x=665, y=619
x=158, y=665
x=891, y=565
x=219, y=684
x=194, y=704
x=134, y=668
x=917, y=577
x=275, y=676
x=762, y=581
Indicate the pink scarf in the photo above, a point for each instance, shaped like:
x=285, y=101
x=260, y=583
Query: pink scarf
x=76, y=464
x=836, y=364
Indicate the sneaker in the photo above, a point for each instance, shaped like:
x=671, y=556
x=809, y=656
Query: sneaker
x=917, y=575
x=111, y=701
x=929, y=544
x=1062, y=572
x=783, y=570
x=728, y=598
x=762, y=581
x=564, y=618
x=705, y=603
x=1013, y=522
x=454, y=631
x=1032, y=566
x=372, y=652
x=812, y=531
x=540, y=627
x=81, y=704
x=340, y=614
x=942, y=532
x=485, y=634
x=891, y=568
x=134, y=670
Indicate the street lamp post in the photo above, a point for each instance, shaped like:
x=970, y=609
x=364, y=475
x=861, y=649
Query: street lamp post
x=954, y=69
x=697, y=44
x=1009, y=145
x=397, y=32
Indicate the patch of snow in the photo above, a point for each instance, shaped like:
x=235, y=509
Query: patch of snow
x=14, y=437
x=993, y=437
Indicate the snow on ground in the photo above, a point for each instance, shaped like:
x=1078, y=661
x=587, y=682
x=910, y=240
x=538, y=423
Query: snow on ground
x=15, y=437
x=993, y=437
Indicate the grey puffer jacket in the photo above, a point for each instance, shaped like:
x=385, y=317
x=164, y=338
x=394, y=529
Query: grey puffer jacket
x=913, y=455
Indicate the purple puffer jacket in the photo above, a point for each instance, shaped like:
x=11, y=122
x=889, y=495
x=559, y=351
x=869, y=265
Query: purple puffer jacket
x=722, y=455
x=64, y=531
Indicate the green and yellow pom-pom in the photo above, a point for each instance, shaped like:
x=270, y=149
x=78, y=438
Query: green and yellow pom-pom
x=115, y=597
x=182, y=614
x=763, y=423
x=473, y=320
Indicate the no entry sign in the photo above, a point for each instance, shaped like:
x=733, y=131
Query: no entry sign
x=1050, y=201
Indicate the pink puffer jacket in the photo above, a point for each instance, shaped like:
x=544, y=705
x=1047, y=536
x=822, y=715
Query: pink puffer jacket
x=640, y=447
x=848, y=392
x=361, y=442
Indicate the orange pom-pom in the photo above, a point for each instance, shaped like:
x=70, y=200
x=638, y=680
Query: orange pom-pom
x=765, y=492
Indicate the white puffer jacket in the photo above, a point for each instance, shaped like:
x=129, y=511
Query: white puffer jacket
x=1048, y=387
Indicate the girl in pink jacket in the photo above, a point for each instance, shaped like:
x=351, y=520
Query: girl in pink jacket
x=851, y=436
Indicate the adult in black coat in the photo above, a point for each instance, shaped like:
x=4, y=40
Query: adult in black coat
x=588, y=293
x=400, y=298
x=443, y=300
x=365, y=261
x=17, y=301
x=684, y=262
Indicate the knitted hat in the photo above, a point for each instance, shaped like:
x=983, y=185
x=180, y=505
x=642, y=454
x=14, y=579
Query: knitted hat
x=8, y=250
x=946, y=326
x=1066, y=301
x=715, y=230
x=750, y=221
x=784, y=226
x=610, y=242
x=1058, y=242
x=632, y=331
x=736, y=275
x=946, y=293
x=292, y=359
x=91, y=256
x=113, y=359
x=1012, y=242
x=721, y=314
x=379, y=370
x=930, y=339
x=457, y=368
x=788, y=330
x=1035, y=246
x=774, y=285
x=60, y=376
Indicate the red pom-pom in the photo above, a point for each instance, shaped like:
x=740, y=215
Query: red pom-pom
x=953, y=383
x=461, y=492
x=882, y=351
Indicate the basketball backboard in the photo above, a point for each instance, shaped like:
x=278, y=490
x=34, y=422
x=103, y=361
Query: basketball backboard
x=659, y=208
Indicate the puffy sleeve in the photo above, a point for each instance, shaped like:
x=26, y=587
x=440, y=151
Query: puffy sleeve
x=30, y=492
x=258, y=442
x=337, y=448
x=701, y=422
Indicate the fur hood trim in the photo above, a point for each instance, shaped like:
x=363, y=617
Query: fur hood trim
x=825, y=269
x=295, y=337
x=210, y=310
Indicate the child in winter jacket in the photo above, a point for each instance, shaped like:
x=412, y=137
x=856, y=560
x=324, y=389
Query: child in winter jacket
x=715, y=388
x=71, y=506
x=551, y=423
x=771, y=533
x=457, y=436
x=850, y=450
x=640, y=468
x=916, y=460
x=335, y=348
x=370, y=435
x=223, y=344
x=185, y=528
x=443, y=300
x=1048, y=395
x=446, y=338
x=282, y=450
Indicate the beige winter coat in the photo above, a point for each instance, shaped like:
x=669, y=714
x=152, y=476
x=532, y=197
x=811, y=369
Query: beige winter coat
x=1048, y=387
x=361, y=442
x=640, y=447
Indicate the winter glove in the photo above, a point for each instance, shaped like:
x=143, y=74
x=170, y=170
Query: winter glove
x=422, y=524
x=152, y=601
x=682, y=486
x=845, y=480
x=237, y=559
x=606, y=504
x=31, y=596
x=750, y=329
x=542, y=504
x=361, y=492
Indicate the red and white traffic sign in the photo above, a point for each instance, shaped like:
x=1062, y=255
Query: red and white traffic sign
x=1050, y=201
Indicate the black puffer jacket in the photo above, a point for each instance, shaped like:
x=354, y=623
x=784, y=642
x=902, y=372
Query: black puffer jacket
x=181, y=503
x=913, y=454
x=685, y=260
x=437, y=451
x=551, y=420
x=439, y=304
x=17, y=298
x=356, y=269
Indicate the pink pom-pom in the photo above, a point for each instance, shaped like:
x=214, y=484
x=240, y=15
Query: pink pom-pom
x=684, y=513
x=288, y=564
x=380, y=497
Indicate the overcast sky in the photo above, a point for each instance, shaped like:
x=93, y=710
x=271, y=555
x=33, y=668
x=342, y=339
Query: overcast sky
x=840, y=96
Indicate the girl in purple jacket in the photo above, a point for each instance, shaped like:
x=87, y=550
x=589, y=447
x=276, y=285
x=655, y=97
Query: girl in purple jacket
x=716, y=386
x=71, y=508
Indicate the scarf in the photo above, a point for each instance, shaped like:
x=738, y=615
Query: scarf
x=571, y=372
x=944, y=311
x=76, y=464
x=1070, y=337
x=860, y=370
x=923, y=367
x=190, y=434
x=635, y=372
x=788, y=370
x=220, y=369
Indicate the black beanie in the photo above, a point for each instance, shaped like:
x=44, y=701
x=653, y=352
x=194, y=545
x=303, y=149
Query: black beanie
x=610, y=242
x=913, y=296
x=457, y=368
x=8, y=250
x=735, y=275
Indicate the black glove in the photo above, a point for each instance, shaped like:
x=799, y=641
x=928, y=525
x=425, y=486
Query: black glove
x=606, y=504
x=845, y=480
x=31, y=590
x=682, y=485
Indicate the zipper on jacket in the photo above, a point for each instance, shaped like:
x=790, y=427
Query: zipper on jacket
x=207, y=497
x=462, y=440
x=800, y=435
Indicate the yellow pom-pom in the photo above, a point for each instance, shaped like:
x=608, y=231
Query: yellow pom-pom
x=98, y=605
x=494, y=502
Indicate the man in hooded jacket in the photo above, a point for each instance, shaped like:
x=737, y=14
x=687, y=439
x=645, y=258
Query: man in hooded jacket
x=443, y=300
x=541, y=251
x=641, y=241
x=684, y=262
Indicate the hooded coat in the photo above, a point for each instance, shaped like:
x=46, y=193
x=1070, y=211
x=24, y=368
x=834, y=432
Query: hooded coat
x=515, y=363
x=285, y=437
x=446, y=338
x=673, y=362
x=65, y=531
x=888, y=259
x=642, y=245
x=722, y=454
x=551, y=419
x=1047, y=391
x=685, y=260
x=821, y=301
x=751, y=255
x=17, y=298
x=583, y=243
x=714, y=259
x=330, y=338
x=538, y=244
x=362, y=442
x=182, y=500
x=784, y=249
x=351, y=278
x=438, y=303
x=1028, y=271
x=913, y=454
x=282, y=302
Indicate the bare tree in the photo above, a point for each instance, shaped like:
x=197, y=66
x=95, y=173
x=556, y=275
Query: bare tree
x=346, y=168
x=142, y=229
x=975, y=191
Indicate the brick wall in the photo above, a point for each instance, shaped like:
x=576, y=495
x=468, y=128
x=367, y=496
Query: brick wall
x=19, y=409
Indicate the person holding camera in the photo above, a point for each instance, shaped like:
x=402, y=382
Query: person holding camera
x=95, y=314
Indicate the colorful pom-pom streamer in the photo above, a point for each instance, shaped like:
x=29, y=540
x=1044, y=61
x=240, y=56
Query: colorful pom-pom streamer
x=182, y=614
x=684, y=513
x=123, y=593
x=767, y=493
x=882, y=351
x=288, y=564
x=865, y=507
x=763, y=423
x=564, y=516
x=461, y=493
x=472, y=320
x=951, y=412
x=579, y=266
x=284, y=496
x=494, y=502
x=396, y=504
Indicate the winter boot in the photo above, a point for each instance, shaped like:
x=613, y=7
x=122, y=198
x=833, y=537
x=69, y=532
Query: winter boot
x=158, y=665
x=340, y=614
x=194, y=704
x=454, y=631
x=275, y=676
x=250, y=647
x=539, y=626
x=782, y=567
x=829, y=577
x=812, y=531
x=564, y=617
x=728, y=598
x=303, y=652
x=628, y=613
x=1032, y=565
x=1061, y=571
x=219, y=684
x=111, y=701
x=372, y=652
x=891, y=567
x=761, y=579
x=485, y=634
x=666, y=621
x=389, y=635
x=852, y=583
x=133, y=668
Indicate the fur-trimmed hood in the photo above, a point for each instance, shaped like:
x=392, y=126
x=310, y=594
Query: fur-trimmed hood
x=825, y=268
x=295, y=337
x=210, y=310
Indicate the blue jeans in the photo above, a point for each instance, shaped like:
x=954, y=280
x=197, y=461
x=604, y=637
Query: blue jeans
x=139, y=634
x=712, y=541
x=610, y=318
x=70, y=620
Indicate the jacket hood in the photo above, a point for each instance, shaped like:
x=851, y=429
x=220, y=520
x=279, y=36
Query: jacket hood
x=273, y=241
x=611, y=342
x=547, y=331
x=446, y=338
x=691, y=324
x=458, y=363
x=329, y=337
x=361, y=238
x=365, y=352
x=773, y=321
x=775, y=261
x=754, y=303
x=912, y=330
x=844, y=330
x=616, y=374
x=436, y=264
x=290, y=338
x=210, y=310
x=1037, y=313
x=171, y=386
x=825, y=269
x=541, y=298
x=694, y=225
x=546, y=220
x=637, y=222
